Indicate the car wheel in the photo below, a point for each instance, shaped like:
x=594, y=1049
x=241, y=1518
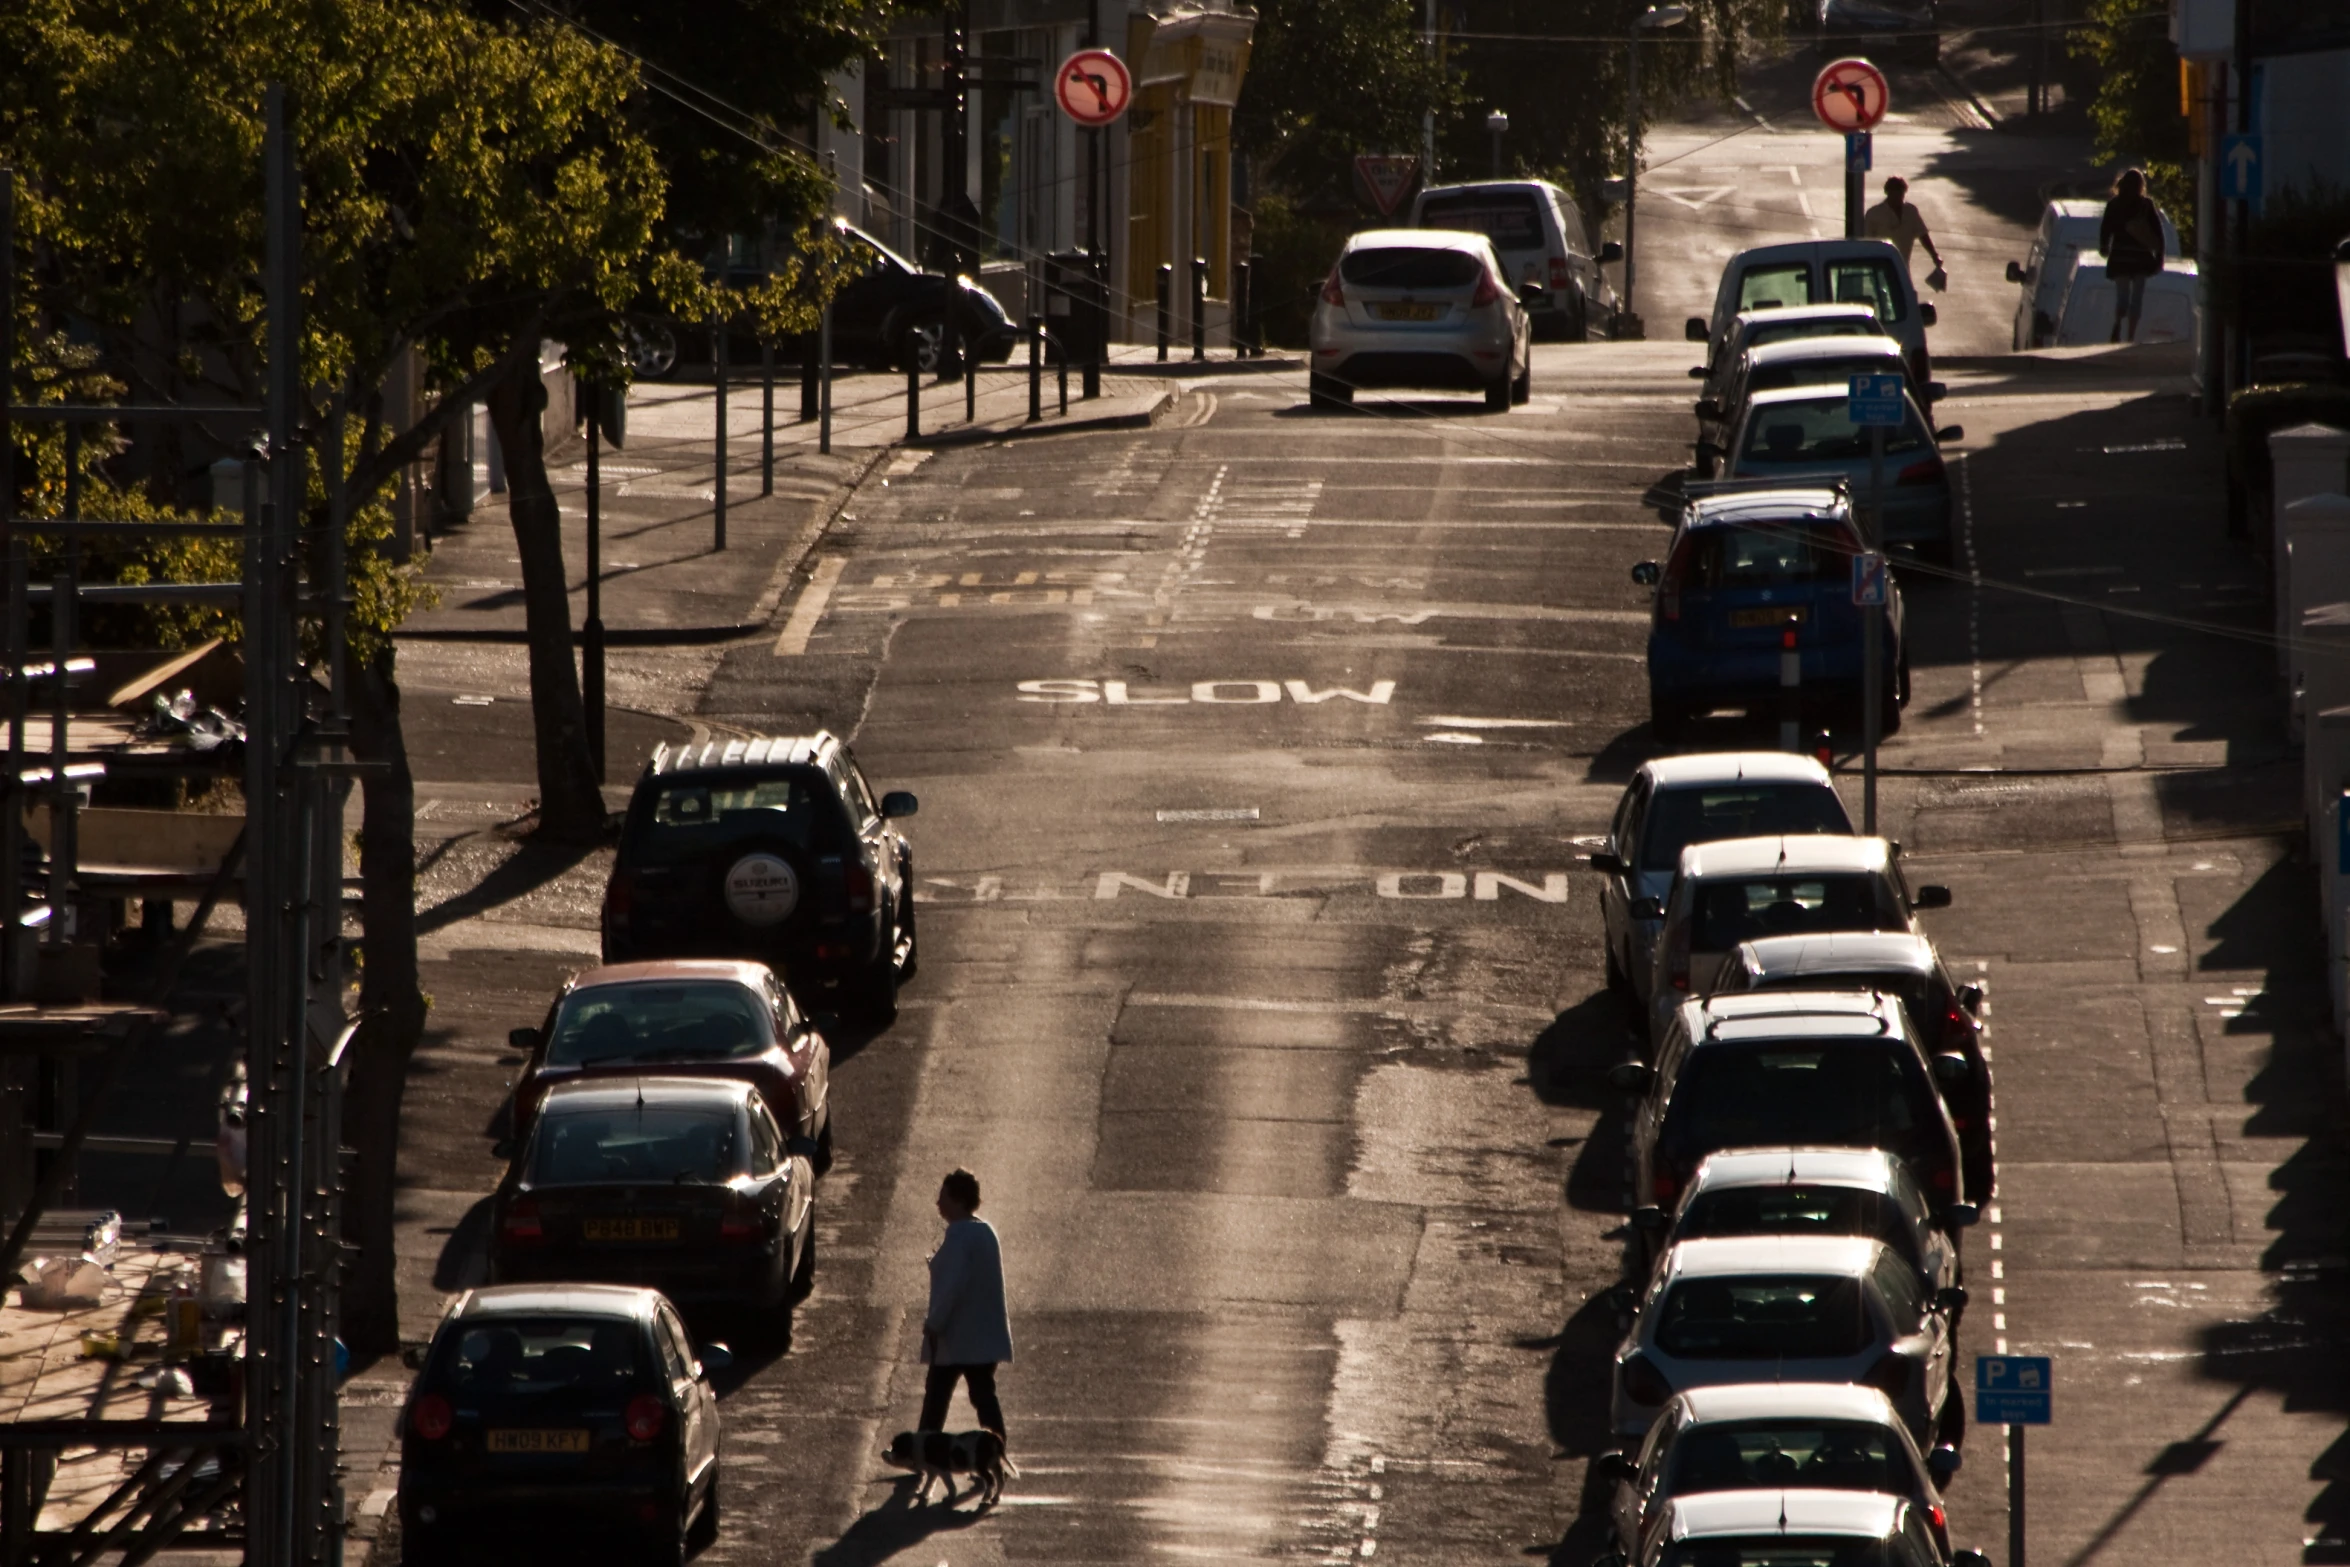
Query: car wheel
x=1950, y=1427
x=923, y=347
x=1889, y=708
x=1901, y=687
x=1497, y=395
x=803, y=1277
x=705, y=1530
x=1579, y=329
x=1617, y=980
x=1328, y=391
x=823, y=1159
x=1523, y=387
x=652, y=350
x=879, y=993
x=909, y=945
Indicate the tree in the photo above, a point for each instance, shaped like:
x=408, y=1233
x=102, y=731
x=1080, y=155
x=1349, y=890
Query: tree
x=2136, y=110
x=1328, y=79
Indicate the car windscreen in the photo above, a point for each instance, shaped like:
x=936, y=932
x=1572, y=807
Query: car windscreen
x=521, y=1360
x=1819, y=429
x=1763, y=1317
x=690, y=815
x=1820, y=372
x=1844, y=1093
x=1410, y=266
x=1867, y=281
x=1783, y=1453
x=1778, y=1550
x=1710, y=813
x=1778, y=286
x=1775, y=553
x=1511, y=220
x=1797, y=1210
x=669, y=1020
x=656, y=1143
x=1732, y=909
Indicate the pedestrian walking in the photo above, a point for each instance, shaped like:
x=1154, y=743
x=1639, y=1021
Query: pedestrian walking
x=1896, y=220
x=2130, y=239
x=966, y=1334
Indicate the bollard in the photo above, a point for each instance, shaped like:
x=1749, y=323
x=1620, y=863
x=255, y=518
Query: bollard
x=1061, y=359
x=1165, y=278
x=913, y=395
x=1244, y=337
x=1790, y=691
x=1199, y=309
x=1097, y=328
x=1035, y=367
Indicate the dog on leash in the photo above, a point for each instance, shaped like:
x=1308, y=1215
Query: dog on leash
x=942, y=1455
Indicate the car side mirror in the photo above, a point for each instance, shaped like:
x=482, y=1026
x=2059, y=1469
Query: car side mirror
x=1943, y=1464
x=1629, y=1076
x=1530, y=292
x=2016, y=273
x=412, y=1356
x=503, y=1148
x=1970, y=999
x=1932, y=897
x=1709, y=451
x=1648, y=573
x=1951, y=1297
x=1969, y=1559
x=1949, y=433
x=1952, y=1068
x=899, y=802
x=800, y=1147
x=525, y=1040
x=714, y=1357
x=1613, y=864
x=1962, y=1215
x=1649, y=1219
x=1648, y=909
x=1696, y=330
x=1709, y=408
x=1616, y=1466
x=1927, y=314
x=1936, y=391
x=1698, y=372
x=1609, y=251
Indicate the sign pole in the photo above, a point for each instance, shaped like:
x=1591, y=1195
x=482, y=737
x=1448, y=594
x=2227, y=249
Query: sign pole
x=2015, y=1496
x=1872, y=631
x=1858, y=157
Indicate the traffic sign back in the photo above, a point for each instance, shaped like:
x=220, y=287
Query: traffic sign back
x=1874, y=398
x=1093, y=87
x=2014, y=1390
x=1850, y=95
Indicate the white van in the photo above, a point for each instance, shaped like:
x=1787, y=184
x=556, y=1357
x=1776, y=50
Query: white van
x=1538, y=233
x=1821, y=272
x=2169, y=313
x=2067, y=229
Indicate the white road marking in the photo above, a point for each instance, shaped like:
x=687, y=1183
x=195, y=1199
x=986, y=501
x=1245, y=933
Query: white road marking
x=1449, y=721
x=810, y=607
x=1241, y=813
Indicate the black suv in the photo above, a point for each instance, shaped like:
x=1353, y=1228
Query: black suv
x=773, y=849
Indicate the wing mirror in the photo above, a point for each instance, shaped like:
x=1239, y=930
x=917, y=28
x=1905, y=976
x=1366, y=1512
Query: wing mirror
x=1936, y=391
x=1949, y=433
x=1952, y=1069
x=1616, y=1466
x=1951, y=1297
x=1648, y=574
x=1932, y=897
x=1709, y=408
x=412, y=1356
x=503, y=1148
x=1927, y=314
x=2017, y=274
x=523, y=1039
x=1529, y=292
x=1943, y=1464
x=1629, y=1076
x=1698, y=372
x=800, y=1147
x=1696, y=330
x=1709, y=452
x=1962, y=1215
x=1647, y=909
x=1609, y=251
x=1649, y=1219
x=1969, y=1559
x=899, y=802
x=1970, y=999
x=1613, y=864
x=713, y=1357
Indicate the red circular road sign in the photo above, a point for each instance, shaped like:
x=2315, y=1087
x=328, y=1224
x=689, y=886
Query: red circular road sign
x=1093, y=87
x=1850, y=95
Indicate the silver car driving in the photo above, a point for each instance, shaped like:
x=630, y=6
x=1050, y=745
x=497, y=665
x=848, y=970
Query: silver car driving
x=1421, y=308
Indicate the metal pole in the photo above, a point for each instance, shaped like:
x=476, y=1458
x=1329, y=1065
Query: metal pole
x=1165, y=278
x=1097, y=333
x=1199, y=309
x=1856, y=178
x=718, y=366
x=1244, y=342
x=963, y=351
x=824, y=383
x=591, y=635
x=1872, y=636
x=1097, y=269
x=913, y=396
x=12, y=983
x=1035, y=367
x=2015, y=1496
x=1631, y=173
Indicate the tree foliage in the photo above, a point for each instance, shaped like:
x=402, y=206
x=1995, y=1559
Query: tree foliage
x=1328, y=79
x=2136, y=110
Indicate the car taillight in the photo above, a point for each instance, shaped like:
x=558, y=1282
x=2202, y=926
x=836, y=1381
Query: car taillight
x=1333, y=292
x=645, y=1417
x=1668, y=586
x=430, y=1417
x=522, y=1226
x=1558, y=272
x=1487, y=291
x=1889, y=1376
x=1644, y=1384
x=743, y=1220
x=617, y=899
x=1928, y=472
x=1667, y=1184
x=860, y=890
x=1941, y=1519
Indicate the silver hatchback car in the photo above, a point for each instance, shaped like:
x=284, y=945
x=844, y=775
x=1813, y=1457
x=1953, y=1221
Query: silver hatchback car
x=1421, y=308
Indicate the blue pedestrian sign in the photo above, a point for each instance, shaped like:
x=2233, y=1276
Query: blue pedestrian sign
x=2239, y=166
x=2014, y=1390
x=1858, y=157
x=1875, y=399
x=1868, y=580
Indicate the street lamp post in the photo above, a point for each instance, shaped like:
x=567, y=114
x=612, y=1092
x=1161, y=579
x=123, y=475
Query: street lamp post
x=1497, y=125
x=1654, y=19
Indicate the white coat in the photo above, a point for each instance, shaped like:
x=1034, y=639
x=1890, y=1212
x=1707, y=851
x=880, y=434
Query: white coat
x=967, y=1325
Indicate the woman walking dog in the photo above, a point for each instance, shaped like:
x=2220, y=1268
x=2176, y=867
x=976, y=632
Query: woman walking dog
x=966, y=1333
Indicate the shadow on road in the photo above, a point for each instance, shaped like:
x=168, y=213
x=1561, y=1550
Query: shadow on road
x=531, y=867
x=896, y=1525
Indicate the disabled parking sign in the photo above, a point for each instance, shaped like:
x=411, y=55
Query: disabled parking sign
x=2014, y=1390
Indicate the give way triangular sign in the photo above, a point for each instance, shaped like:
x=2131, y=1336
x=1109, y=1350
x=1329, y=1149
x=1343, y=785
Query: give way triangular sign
x=1387, y=178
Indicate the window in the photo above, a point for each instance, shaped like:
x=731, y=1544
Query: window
x=1709, y=813
x=766, y=1143
x=677, y=1351
x=1905, y=1297
x=1854, y=1093
x=693, y=1020
x=1820, y=430
x=700, y=805
x=1770, y=554
x=1775, y=287
x=1763, y=1317
x=1776, y=1550
x=508, y=1358
x=1868, y=282
x=1510, y=219
x=1775, y=1453
x=1402, y=266
x=1820, y=372
x=1798, y=1210
x=649, y=1143
x=859, y=796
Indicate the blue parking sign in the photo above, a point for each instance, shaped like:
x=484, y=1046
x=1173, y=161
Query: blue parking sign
x=2014, y=1390
x=1874, y=399
x=1868, y=579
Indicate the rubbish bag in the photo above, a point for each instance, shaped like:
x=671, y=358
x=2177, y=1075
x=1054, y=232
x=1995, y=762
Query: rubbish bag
x=63, y=1284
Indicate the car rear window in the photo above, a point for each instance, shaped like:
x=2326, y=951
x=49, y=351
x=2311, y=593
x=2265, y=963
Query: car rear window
x=521, y=1358
x=1710, y=813
x=1769, y=554
x=647, y=1142
x=1771, y=1454
x=1779, y=1550
x=1797, y=1210
x=701, y=1019
x=1867, y=282
x=1732, y=909
x=1852, y=1093
x=1410, y=266
x=1779, y=286
x=1819, y=429
x=1763, y=1317
x=689, y=815
x=1512, y=221
x=1820, y=372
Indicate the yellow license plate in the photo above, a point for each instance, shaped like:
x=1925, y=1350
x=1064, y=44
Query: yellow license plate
x=1410, y=312
x=538, y=1441
x=1791, y=615
x=629, y=1229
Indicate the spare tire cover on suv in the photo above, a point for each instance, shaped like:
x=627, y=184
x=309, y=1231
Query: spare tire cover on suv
x=761, y=889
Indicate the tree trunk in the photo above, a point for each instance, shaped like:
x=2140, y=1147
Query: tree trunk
x=571, y=805
x=391, y=1005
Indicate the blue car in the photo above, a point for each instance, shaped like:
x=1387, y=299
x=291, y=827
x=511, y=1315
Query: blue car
x=1747, y=566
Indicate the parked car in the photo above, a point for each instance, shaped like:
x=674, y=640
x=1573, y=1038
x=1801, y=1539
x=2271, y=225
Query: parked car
x=1421, y=308
x=1742, y=889
x=1825, y=1069
x=773, y=849
x=1806, y=433
x=684, y=1017
x=1942, y=1013
x=1795, y=1529
x=1818, y=272
x=1675, y=801
x=1906, y=30
x=2068, y=228
x=681, y=1184
x=1815, y=1191
x=1538, y=232
x=572, y=1412
x=1746, y=568
x=1773, y=1309
x=1821, y=1436
x=1807, y=361
x=1752, y=329
x=2169, y=313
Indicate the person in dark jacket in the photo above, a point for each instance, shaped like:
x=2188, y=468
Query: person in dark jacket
x=966, y=1333
x=2130, y=239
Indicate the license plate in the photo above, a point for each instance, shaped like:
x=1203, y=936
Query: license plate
x=1408, y=312
x=538, y=1441
x=1790, y=615
x=629, y=1229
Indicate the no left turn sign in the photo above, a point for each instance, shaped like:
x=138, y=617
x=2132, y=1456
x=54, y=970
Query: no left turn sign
x=1850, y=95
x=1093, y=87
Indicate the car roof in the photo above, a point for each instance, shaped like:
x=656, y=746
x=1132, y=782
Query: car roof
x=2071, y=207
x=1824, y=348
x=1482, y=185
x=515, y=1300
x=748, y=751
x=742, y=971
x=1710, y=1514
x=1816, y=250
x=1845, y=952
x=1417, y=239
x=1748, y=1017
x=1865, y=1169
x=1802, y=394
x=1786, y=853
x=1793, y=1400
x=587, y=1092
x=1729, y=1256
x=1779, y=504
x=1837, y=310
x=1713, y=767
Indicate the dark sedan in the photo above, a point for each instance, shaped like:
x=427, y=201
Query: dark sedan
x=682, y=1184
